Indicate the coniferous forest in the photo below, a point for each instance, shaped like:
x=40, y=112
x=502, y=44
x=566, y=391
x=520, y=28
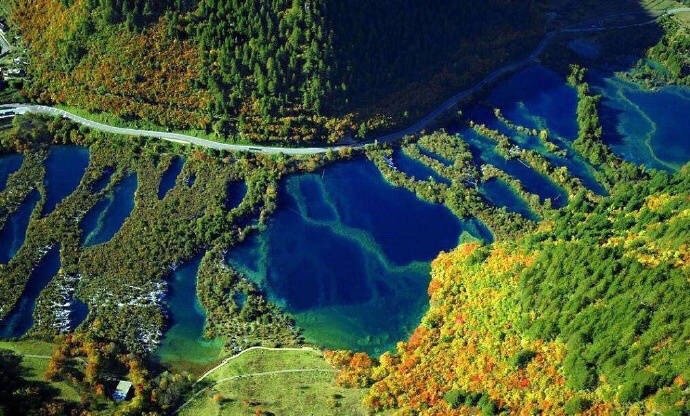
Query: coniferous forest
x=310, y=70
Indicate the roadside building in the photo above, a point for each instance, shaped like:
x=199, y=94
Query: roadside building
x=122, y=391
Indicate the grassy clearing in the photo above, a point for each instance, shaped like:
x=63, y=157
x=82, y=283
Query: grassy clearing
x=295, y=393
x=35, y=361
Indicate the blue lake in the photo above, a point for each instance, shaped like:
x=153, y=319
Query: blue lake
x=235, y=194
x=415, y=168
x=78, y=313
x=65, y=166
x=20, y=319
x=8, y=165
x=169, y=177
x=13, y=234
x=538, y=98
x=483, y=149
x=102, y=182
x=183, y=340
x=646, y=127
x=502, y=195
x=105, y=219
x=348, y=255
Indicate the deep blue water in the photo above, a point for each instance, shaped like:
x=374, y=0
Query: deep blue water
x=646, y=127
x=501, y=194
x=20, y=319
x=78, y=313
x=584, y=48
x=8, y=165
x=170, y=176
x=65, y=166
x=415, y=168
x=183, y=340
x=348, y=255
x=13, y=234
x=235, y=194
x=100, y=183
x=538, y=97
x=483, y=149
x=106, y=218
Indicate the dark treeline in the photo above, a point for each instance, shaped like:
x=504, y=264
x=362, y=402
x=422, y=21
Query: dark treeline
x=379, y=44
x=318, y=55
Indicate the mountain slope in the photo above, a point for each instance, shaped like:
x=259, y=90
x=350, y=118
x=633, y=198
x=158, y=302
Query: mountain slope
x=276, y=70
x=589, y=313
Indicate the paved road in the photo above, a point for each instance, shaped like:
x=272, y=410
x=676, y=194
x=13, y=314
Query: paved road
x=443, y=108
x=172, y=137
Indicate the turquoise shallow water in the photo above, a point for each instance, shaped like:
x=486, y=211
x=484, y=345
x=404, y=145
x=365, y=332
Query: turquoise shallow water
x=183, y=340
x=105, y=219
x=646, y=127
x=13, y=234
x=65, y=167
x=348, y=255
x=8, y=165
x=20, y=319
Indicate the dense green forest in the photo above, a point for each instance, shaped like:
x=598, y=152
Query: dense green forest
x=283, y=69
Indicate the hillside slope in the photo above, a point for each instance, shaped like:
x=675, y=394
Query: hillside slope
x=284, y=69
x=589, y=313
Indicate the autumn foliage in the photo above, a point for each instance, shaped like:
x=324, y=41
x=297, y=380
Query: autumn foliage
x=517, y=326
x=131, y=74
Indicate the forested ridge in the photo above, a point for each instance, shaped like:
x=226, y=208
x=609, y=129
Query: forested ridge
x=302, y=70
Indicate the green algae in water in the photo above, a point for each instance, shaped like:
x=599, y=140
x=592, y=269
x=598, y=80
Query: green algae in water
x=184, y=341
x=348, y=256
x=646, y=127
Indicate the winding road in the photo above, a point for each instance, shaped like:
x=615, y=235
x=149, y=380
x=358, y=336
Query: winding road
x=448, y=105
